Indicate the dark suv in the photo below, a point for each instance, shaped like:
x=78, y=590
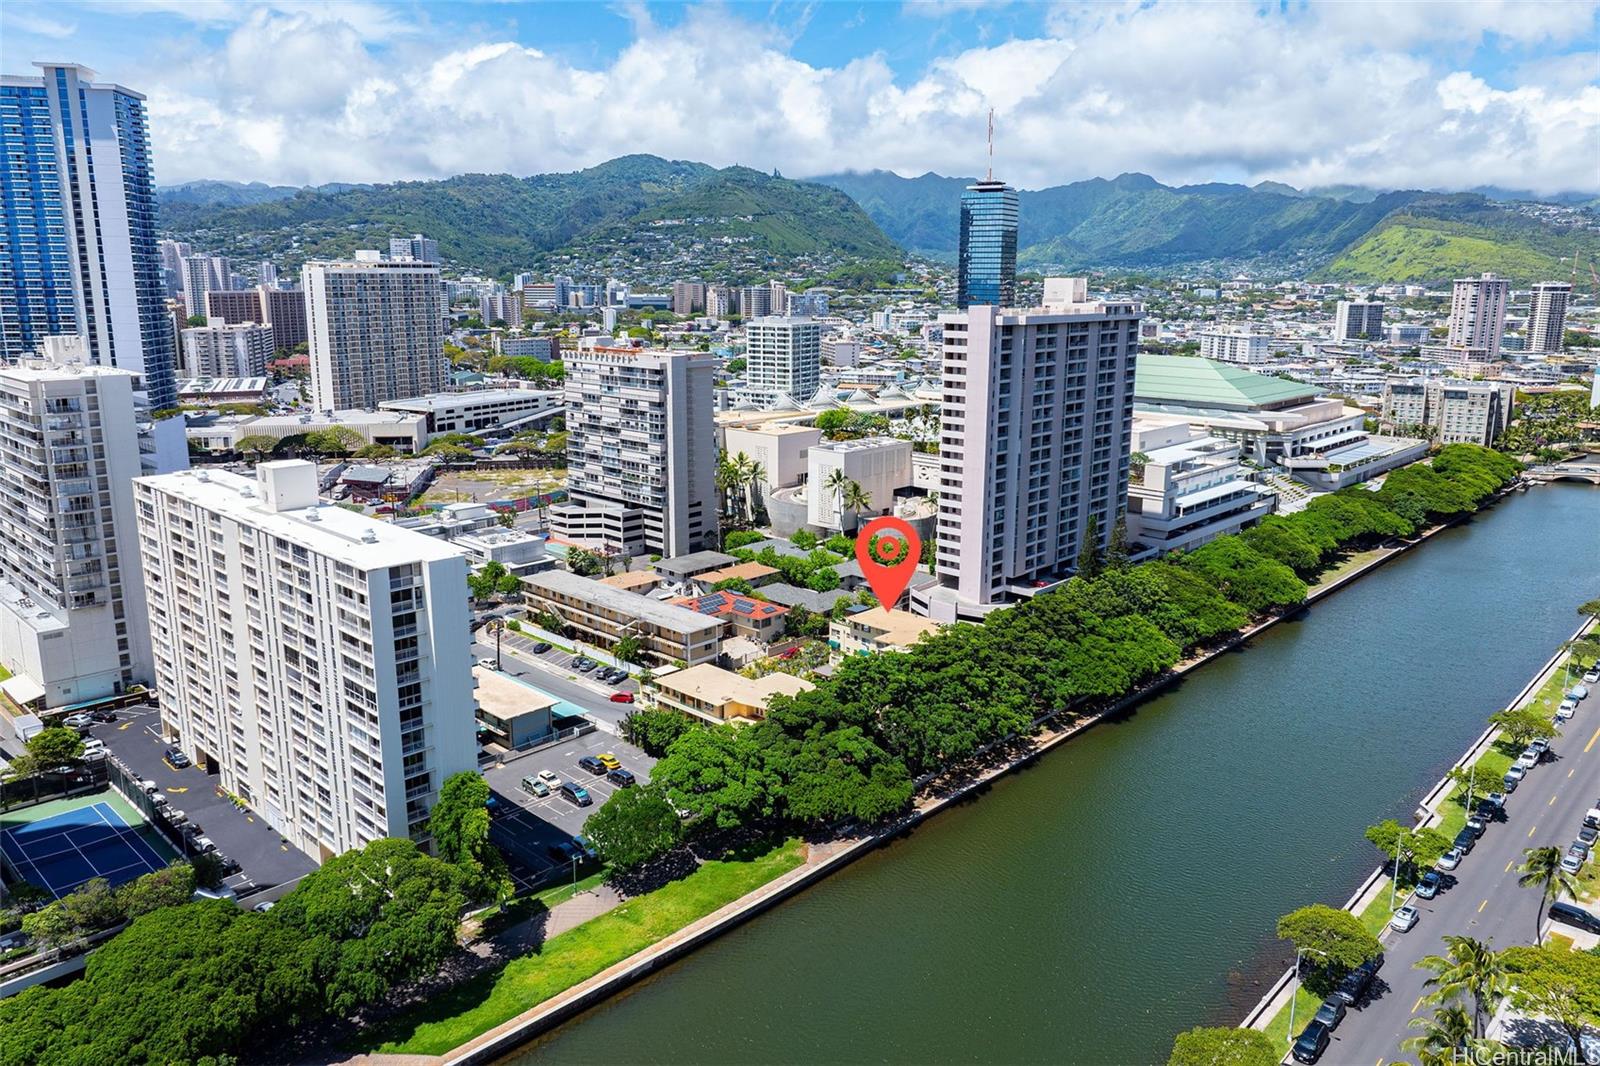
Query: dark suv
x=593, y=765
x=1312, y=1043
x=1355, y=983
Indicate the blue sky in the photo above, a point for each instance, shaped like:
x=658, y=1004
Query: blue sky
x=1433, y=95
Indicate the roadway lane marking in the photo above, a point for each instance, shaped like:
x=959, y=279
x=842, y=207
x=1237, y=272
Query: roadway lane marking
x=1508, y=866
x=1531, y=829
x=1571, y=772
x=1482, y=905
x=1415, y=1005
x=1592, y=739
x=1552, y=802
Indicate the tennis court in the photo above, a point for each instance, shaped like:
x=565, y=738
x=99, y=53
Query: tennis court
x=62, y=851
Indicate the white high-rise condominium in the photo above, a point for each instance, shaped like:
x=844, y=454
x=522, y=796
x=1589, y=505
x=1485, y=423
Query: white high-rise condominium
x=1547, y=317
x=72, y=614
x=641, y=451
x=1478, y=313
x=415, y=247
x=267, y=273
x=1237, y=344
x=1036, y=421
x=78, y=246
x=376, y=331
x=219, y=350
x=317, y=660
x=755, y=301
x=783, y=356
x=203, y=274
x=1358, y=320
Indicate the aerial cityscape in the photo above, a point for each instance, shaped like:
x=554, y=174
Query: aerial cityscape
x=916, y=533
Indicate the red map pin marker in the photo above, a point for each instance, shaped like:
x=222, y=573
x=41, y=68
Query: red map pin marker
x=888, y=569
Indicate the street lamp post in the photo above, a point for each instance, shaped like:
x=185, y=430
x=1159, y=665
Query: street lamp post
x=1294, y=994
x=1399, y=847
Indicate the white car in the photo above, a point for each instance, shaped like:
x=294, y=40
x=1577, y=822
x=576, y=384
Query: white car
x=1572, y=861
x=1592, y=677
x=1579, y=692
x=1528, y=759
x=551, y=778
x=1567, y=709
x=1450, y=859
x=77, y=721
x=1404, y=919
x=93, y=744
x=487, y=664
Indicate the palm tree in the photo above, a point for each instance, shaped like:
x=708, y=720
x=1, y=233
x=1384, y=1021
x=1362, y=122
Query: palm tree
x=856, y=500
x=1468, y=967
x=755, y=477
x=835, y=483
x=1442, y=1037
x=1541, y=869
x=725, y=479
x=743, y=465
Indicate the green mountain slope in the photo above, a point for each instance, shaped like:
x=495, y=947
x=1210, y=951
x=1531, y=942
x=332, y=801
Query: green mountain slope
x=500, y=223
x=1133, y=221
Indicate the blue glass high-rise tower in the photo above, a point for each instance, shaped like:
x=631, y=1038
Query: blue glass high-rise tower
x=987, y=272
x=78, y=247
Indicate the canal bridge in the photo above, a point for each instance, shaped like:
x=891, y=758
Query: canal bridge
x=1589, y=472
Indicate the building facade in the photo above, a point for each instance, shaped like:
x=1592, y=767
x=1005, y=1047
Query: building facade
x=1478, y=313
x=1355, y=320
x=217, y=350
x=376, y=331
x=316, y=660
x=688, y=297
x=417, y=248
x=986, y=270
x=486, y=409
x=1191, y=489
x=72, y=603
x=603, y=614
x=1453, y=411
x=1245, y=347
x=641, y=451
x=783, y=356
x=80, y=253
x=880, y=465
x=1547, y=317
x=1035, y=438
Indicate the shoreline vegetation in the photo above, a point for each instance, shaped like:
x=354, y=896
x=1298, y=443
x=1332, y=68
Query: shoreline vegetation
x=852, y=753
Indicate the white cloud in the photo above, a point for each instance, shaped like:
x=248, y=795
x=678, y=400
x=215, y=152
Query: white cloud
x=300, y=93
x=30, y=19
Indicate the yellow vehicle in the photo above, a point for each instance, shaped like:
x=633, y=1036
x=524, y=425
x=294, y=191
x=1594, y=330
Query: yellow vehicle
x=611, y=761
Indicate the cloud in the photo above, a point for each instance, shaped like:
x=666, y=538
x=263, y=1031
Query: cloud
x=30, y=19
x=1305, y=93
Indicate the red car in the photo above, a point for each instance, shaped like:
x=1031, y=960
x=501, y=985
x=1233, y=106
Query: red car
x=622, y=697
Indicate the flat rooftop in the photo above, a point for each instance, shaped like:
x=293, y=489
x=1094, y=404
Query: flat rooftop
x=435, y=401
x=664, y=615
x=505, y=697
x=717, y=686
x=344, y=535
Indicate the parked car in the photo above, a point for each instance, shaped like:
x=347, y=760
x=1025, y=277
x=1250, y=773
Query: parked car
x=1527, y=760
x=621, y=778
x=550, y=777
x=1592, y=677
x=1587, y=836
x=587, y=848
x=540, y=647
x=174, y=816
x=593, y=765
x=576, y=793
x=1568, y=708
x=1573, y=860
x=1354, y=984
x=202, y=843
x=1451, y=859
x=1496, y=799
x=1540, y=748
x=611, y=761
x=229, y=866
x=93, y=744
x=1578, y=692
x=103, y=716
x=1313, y=1041
x=564, y=851
x=1465, y=840
x=586, y=666
x=487, y=664
x=1476, y=823
x=77, y=721
x=1428, y=887
x=263, y=907
x=175, y=758
x=534, y=786
x=622, y=697
x=1576, y=916
x=1514, y=777
x=1331, y=1013
x=1405, y=919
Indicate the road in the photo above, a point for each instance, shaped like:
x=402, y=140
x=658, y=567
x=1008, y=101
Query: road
x=1484, y=900
x=552, y=673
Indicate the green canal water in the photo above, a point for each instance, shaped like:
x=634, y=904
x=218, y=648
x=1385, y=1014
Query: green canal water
x=1126, y=887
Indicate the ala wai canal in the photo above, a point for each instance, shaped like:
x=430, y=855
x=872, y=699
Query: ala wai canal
x=1126, y=886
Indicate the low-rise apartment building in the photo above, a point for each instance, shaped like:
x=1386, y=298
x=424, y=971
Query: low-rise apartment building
x=603, y=614
x=1453, y=411
x=473, y=412
x=869, y=630
x=743, y=615
x=713, y=694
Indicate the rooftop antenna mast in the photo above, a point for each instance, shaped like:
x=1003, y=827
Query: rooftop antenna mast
x=989, y=176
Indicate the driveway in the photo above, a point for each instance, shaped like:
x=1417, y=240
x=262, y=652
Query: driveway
x=1481, y=898
x=267, y=861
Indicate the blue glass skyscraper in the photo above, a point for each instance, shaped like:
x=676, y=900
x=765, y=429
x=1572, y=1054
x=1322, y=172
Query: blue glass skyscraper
x=987, y=271
x=78, y=247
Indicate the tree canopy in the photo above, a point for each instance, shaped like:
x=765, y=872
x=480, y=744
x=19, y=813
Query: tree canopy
x=634, y=826
x=1328, y=936
x=1224, y=1047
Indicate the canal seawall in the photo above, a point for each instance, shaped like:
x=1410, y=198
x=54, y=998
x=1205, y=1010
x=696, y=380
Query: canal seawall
x=944, y=793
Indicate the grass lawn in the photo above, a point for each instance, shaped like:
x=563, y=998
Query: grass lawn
x=5, y=675
x=1353, y=561
x=455, y=1017
x=1305, y=1006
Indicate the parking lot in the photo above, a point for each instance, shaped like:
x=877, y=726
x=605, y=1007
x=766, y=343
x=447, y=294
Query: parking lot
x=266, y=860
x=531, y=825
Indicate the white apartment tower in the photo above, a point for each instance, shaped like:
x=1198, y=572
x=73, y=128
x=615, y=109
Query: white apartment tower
x=416, y=247
x=376, y=331
x=641, y=451
x=202, y=274
x=72, y=612
x=1478, y=313
x=1547, y=317
x=1236, y=345
x=784, y=356
x=1358, y=320
x=1035, y=428
x=315, y=659
x=218, y=350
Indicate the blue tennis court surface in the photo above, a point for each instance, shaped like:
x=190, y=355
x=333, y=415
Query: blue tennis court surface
x=63, y=851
